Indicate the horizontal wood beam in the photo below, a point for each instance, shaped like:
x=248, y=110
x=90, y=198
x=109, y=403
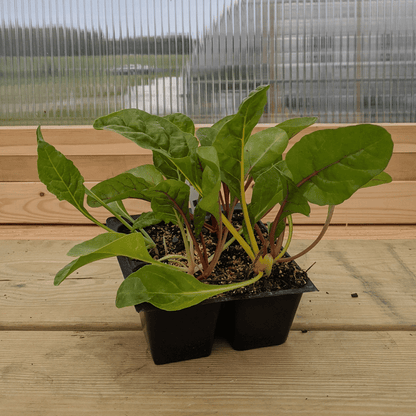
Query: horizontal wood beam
x=26, y=135
x=103, y=161
x=31, y=203
x=302, y=231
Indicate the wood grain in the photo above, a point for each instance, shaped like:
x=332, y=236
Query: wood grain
x=103, y=154
x=31, y=203
x=99, y=161
x=382, y=273
x=111, y=373
x=335, y=232
x=56, y=135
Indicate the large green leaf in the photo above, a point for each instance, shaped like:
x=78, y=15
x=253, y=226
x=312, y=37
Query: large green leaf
x=296, y=125
x=104, y=246
x=264, y=149
x=175, y=148
x=330, y=165
x=233, y=136
x=272, y=188
x=182, y=121
x=168, y=197
x=149, y=131
x=118, y=188
x=168, y=289
x=59, y=174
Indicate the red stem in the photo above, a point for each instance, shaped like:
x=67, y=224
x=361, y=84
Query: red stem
x=318, y=239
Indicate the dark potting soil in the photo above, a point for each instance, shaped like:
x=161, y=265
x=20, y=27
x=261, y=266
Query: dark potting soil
x=234, y=264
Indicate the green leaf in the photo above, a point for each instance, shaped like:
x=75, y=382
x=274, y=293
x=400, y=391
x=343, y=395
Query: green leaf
x=129, y=245
x=182, y=121
x=199, y=219
x=104, y=246
x=207, y=135
x=101, y=243
x=76, y=264
x=145, y=220
x=147, y=172
x=380, y=179
x=149, y=131
x=118, y=208
x=190, y=169
x=211, y=180
x=175, y=148
x=59, y=174
x=220, y=123
x=118, y=188
x=233, y=136
x=330, y=165
x=164, y=165
x=296, y=125
x=293, y=203
x=167, y=197
x=272, y=188
x=264, y=149
x=168, y=289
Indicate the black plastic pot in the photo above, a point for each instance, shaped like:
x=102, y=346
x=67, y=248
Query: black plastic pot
x=247, y=322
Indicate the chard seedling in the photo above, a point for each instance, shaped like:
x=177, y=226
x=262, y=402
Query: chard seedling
x=221, y=163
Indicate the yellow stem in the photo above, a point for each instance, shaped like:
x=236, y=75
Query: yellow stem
x=289, y=239
x=243, y=202
x=238, y=237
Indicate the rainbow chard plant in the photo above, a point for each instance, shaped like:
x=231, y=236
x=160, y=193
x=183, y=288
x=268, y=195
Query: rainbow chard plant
x=220, y=163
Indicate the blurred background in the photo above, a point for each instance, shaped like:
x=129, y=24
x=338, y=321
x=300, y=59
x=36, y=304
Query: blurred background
x=66, y=62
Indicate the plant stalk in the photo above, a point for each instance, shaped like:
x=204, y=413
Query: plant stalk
x=289, y=240
x=318, y=239
x=243, y=203
x=238, y=237
x=189, y=254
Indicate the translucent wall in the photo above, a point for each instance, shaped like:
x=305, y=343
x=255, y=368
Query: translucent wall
x=70, y=61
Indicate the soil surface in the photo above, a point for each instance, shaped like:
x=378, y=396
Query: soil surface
x=234, y=264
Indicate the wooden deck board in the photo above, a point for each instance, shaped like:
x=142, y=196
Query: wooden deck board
x=302, y=231
x=382, y=273
x=110, y=373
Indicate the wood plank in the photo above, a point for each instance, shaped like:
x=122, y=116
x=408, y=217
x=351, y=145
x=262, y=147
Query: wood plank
x=317, y=373
x=97, y=162
x=91, y=150
x=335, y=232
x=31, y=203
x=29, y=300
x=92, y=167
x=382, y=273
x=56, y=135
